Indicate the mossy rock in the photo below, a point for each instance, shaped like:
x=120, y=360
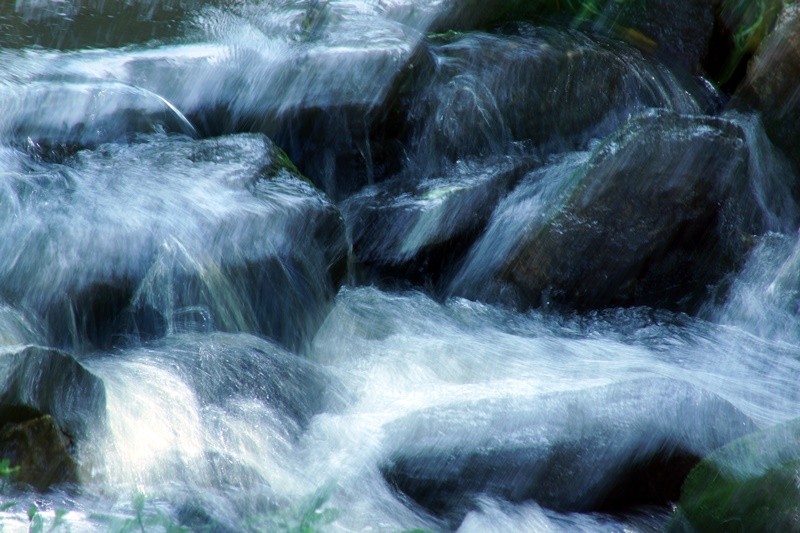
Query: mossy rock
x=749, y=485
x=37, y=454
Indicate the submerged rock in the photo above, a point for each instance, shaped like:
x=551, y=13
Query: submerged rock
x=554, y=89
x=656, y=215
x=418, y=229
x=157, y=237
x=222, y=368
x=324, y=99
x=772, y=87
x=37, y=381
x=37, y=451
x=53, y=116
x=749, y=485
x=610, y=448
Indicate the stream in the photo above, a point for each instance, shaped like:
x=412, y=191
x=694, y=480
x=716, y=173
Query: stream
x=275, y=259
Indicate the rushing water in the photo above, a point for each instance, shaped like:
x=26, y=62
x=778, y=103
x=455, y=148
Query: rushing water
x=242, y=390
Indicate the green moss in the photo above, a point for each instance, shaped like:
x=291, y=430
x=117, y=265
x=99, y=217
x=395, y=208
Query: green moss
x=282, y=162
x=753, y=484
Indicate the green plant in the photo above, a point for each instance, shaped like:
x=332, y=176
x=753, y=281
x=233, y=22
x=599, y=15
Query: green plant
x=308, y=517
x=750, y=21
x=6, y=471
x=143, y=520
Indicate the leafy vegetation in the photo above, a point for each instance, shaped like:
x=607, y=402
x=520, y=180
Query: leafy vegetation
x=310, y=516
x=751, y=21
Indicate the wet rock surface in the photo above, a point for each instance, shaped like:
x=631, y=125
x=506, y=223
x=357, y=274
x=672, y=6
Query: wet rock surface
x=64, y=117
x=38, y=381
x=603, y=449
x=771, y=85
x=552, y=89
x=38, y=455
x=679, y=33
x=417, y=230
x=653, y=216
x=218, y=365
x=194, y=231
x=751, y=483
x=75, y=24
x=151, y=228
x=335, y=114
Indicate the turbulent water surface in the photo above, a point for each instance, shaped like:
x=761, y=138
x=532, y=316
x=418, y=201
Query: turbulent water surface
x=256, y=375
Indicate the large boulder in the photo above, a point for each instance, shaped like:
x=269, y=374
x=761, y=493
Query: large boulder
x=66, y=116
x=157, y=237
x=772, y=87
x=749, y=485
x=37, y=453
x=656, y=215
x=550, y=88
x=418, y=229
x=223, y=368
x=71, y=24
x=36, y=381
x=678, y=33
x=609, y=448
x=323, y=94
x=464, y=15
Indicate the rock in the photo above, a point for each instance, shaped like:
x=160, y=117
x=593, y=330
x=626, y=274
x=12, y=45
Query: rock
x=325, y=97
x=464, y=15
x=771, y=85
x=73, y=24
x=36, y=381
x=221, y=368
x=36, y=448
x=656, y=215
x=550, y=88
x=418, y=230
x=679, y=32
x=749, y=485
x=134, y=242
x=77, y=115
x=609, y=448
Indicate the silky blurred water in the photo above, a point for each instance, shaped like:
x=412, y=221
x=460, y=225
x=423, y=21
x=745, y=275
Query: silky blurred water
x=236, y=431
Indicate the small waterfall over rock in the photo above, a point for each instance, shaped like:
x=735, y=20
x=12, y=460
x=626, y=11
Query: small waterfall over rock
x=397, y=265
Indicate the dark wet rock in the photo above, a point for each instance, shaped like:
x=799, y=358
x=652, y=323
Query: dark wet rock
x=749, y=485
x=326, y=99
x=37, y=450
x=170, y=235
x=772, y=87
x=678, y=32
x=418, y=230
x=656, y=215
x=464, y=15
x=609, y=448
x=38, y=381
x=554, y=89
x=68, y=116
x=71, y=24
x=223, y=368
